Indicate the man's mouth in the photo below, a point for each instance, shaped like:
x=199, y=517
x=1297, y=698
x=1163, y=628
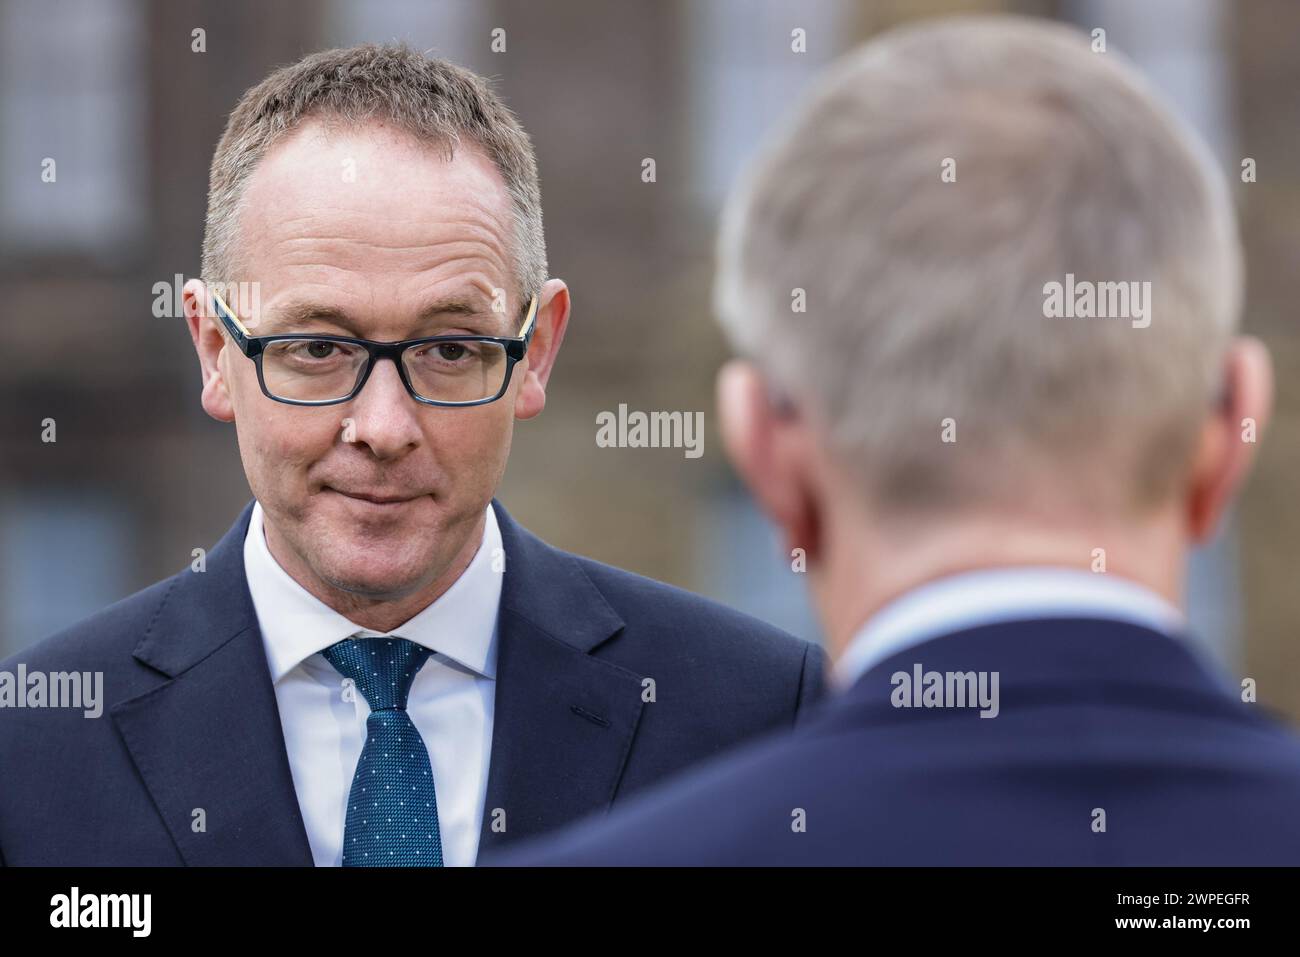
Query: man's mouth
x=374, y=498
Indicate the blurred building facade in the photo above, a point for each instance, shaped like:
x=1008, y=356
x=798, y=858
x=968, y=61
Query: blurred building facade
x=115, y=93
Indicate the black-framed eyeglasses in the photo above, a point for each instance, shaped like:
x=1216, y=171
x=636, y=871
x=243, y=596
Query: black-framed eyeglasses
x=310, y=369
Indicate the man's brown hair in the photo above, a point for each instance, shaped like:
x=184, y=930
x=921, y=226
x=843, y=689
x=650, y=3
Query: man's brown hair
x=435, y=101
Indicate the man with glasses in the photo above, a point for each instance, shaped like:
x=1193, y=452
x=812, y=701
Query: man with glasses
x=377, y=666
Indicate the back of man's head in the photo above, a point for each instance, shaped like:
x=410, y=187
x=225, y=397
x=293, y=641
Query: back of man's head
x=911, y=254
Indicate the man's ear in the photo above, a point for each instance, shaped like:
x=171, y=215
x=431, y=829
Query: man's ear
x=209, y=342
x=550, y=325
x=770, y=447
x=1229, y=437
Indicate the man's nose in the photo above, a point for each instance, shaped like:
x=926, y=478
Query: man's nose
x=384, y=415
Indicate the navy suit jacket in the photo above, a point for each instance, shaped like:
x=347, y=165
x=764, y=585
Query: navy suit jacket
x=1093, y=715
x=190, y=718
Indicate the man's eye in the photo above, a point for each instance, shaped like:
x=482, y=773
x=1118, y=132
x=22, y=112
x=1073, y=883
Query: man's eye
x=319, y=349
x=451, y=351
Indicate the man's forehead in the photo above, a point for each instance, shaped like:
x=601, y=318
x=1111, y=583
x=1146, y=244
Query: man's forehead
x=322, y=143
x=304, y=308
x=339, y=206
x=377, y=182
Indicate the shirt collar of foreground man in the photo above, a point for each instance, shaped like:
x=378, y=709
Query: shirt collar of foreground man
x=977, y=598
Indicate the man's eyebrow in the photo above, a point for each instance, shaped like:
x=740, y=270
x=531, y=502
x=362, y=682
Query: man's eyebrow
x=298, y=313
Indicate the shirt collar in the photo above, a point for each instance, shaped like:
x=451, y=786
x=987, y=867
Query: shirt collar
x=972, y=599
x=295, y=624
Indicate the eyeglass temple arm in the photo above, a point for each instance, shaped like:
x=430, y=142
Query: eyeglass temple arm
x=231, y=321
x=530, y=324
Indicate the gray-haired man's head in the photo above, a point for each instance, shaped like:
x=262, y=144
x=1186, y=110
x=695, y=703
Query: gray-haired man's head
x=913, y=252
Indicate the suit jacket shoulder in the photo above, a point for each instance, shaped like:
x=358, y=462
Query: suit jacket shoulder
x=704, y=634
x=687, y=677
x=101, y=641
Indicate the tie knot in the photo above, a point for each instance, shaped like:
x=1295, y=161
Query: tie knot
x=381, y=668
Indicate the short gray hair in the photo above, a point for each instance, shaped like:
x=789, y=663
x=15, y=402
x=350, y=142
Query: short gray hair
x=925, y=298
x=435, y=101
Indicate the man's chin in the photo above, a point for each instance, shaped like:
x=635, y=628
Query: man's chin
x=385, y=567
x=366, y=577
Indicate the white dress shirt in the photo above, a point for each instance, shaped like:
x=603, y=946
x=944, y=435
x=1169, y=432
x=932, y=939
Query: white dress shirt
x=451, y=700
x=972, y=599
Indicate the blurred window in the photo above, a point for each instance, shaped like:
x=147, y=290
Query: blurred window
x=745, y=75
x=73, y=89
x=64, y=555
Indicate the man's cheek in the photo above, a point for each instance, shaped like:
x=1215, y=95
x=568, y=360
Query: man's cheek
x=281, y=460
x=465, y=450
x=291, y=439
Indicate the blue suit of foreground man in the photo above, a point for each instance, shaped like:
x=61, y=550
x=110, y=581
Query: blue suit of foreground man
x=996, y=501
x=377, y=665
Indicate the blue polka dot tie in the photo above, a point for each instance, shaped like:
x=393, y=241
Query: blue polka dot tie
x=392, y=818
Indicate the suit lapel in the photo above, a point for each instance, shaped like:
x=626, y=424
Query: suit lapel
x=207, y=738
x=563, y=719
